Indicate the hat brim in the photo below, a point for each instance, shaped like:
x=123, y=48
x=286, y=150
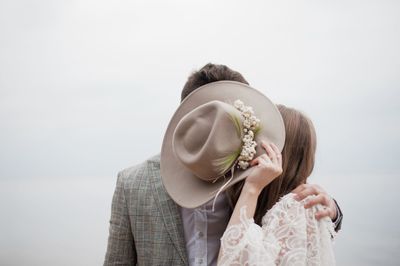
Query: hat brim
x=185, y=188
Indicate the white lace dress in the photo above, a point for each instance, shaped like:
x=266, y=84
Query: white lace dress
x=290, y=235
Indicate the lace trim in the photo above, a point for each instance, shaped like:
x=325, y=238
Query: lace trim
x=290, y=235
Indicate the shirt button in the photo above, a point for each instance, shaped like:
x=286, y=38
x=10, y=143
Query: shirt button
x=200, y=261
x=200, y=234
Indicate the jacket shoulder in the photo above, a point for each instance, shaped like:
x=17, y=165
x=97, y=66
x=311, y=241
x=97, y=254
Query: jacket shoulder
x=139, y=173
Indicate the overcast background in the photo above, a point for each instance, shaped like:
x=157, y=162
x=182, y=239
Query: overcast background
x=87, y=88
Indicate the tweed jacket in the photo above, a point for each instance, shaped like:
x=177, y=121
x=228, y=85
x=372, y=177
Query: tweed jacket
x=145, y=225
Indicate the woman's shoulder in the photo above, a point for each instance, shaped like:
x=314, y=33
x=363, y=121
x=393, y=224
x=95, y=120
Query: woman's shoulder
x=288, y=209
x=289, y=212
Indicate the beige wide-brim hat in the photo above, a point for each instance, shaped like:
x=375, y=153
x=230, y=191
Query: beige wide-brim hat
x=180, y=181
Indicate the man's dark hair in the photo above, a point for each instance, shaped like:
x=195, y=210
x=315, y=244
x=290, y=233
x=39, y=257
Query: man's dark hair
x=210, y=73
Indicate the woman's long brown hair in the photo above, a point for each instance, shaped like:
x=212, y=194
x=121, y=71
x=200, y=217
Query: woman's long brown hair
x=298, y=157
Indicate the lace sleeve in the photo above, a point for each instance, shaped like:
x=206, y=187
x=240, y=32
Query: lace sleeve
x=246, y=244
x=290, y=235
x=302, y=239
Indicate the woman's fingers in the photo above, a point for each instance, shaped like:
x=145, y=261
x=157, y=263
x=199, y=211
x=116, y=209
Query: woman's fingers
x=266, y=168
x=262, y=159
x=270, y=152
x=273, y=152
x=254, y=161
x=272, y=155
x=277, y=152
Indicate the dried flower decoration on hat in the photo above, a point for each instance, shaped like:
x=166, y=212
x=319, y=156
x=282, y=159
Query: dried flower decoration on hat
x=247, y=126
x=251, y=124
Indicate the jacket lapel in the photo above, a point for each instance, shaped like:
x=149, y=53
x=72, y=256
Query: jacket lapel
x=169, y=210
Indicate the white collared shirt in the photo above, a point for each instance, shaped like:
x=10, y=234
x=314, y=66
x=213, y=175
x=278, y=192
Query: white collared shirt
x=203, y=230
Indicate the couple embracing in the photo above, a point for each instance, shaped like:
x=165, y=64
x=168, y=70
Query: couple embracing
x=229, y=187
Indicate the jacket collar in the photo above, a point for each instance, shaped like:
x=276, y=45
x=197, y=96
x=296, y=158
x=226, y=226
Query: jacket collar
x=168, y=209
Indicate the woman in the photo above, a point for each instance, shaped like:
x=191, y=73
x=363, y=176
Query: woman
x=268, y=226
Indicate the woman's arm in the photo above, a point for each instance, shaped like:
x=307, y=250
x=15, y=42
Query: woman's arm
x=266, y=168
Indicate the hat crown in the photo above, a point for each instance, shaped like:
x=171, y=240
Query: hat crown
x=205, y=138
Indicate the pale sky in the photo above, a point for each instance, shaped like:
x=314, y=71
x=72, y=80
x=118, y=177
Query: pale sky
x=87, y=88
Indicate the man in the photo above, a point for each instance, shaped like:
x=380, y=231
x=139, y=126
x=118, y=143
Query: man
x=148, y=228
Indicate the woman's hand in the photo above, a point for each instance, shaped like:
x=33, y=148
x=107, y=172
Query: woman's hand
x=266, y=168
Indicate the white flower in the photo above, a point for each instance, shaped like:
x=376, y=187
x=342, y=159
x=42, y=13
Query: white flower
x=238, y=104
x=252, y=150
x=247, y=112
x=243, y=164
x=247, y=138
x=250, y=123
